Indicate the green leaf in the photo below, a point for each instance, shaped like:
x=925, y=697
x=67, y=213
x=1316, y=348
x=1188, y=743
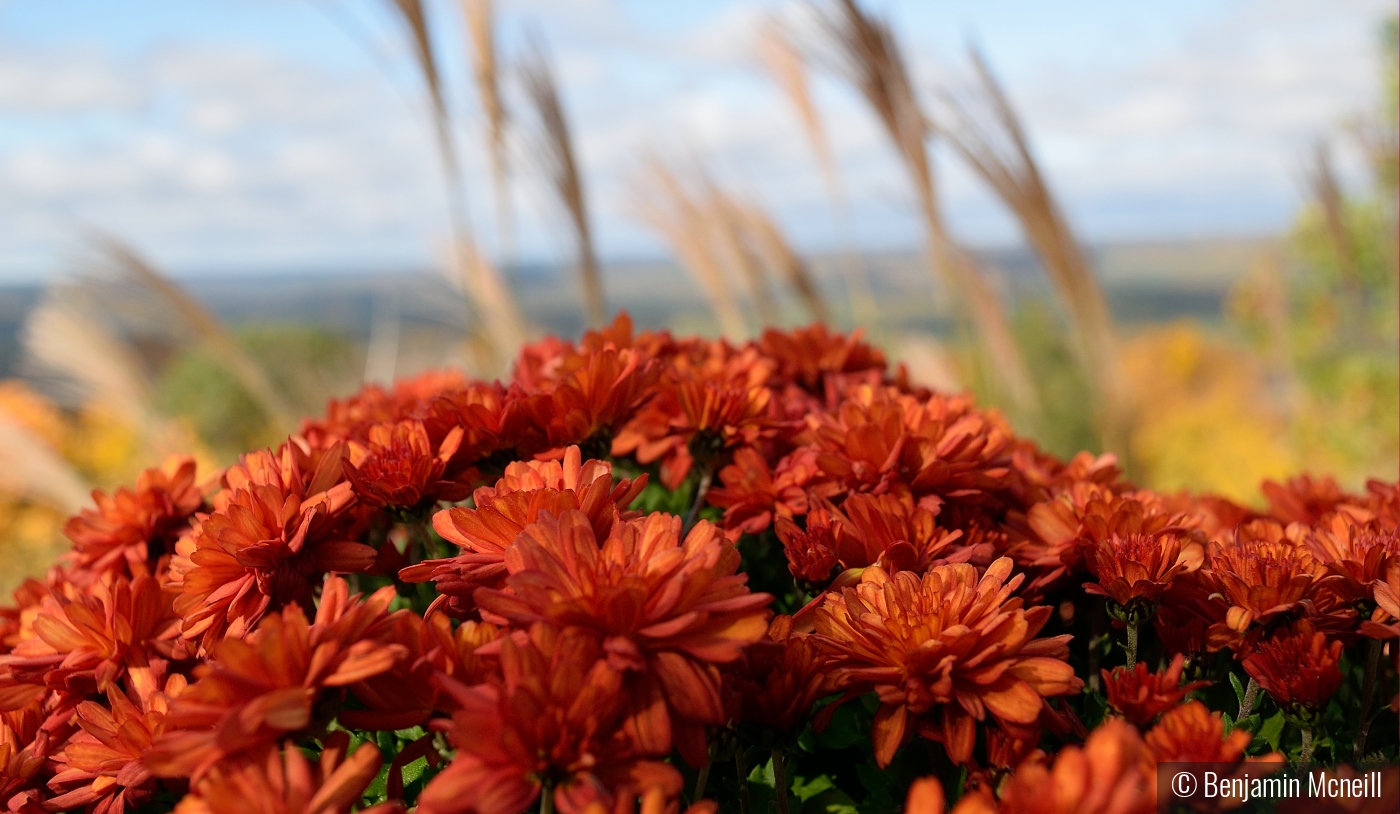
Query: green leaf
x=1239, y=690
x=1272, y=731
x=831, y=801
x=805, y=789
x=762, y=775
x=846, y=729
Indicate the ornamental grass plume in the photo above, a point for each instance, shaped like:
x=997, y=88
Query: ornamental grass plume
x=552, y=723
x=943, y=652
x=666, y=611
x=1140, y=696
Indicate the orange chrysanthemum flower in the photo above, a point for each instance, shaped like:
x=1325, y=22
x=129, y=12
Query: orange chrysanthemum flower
x=1137, y=567
x=943, y=652
x=586, y=401
x=25, y=749
x=1112, y=774
x=408, y=694
x=552, y=722
x=133, y=528
x=752, y=495
x=807, y=357
x=280, y=780
x=86, y=643
x=667, y=611
x=701, y=409
x=1264, y=573
x=256, y=691
x=1140, y=696
x=397, y=467
x=503, y=511
x=1191, y=733
x=939, y=449
x=103, y=767
x=1306, y=500
x=1358, y=553
x=1297, y=668
x=276, y=529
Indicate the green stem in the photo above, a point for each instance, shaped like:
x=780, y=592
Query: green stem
x=1132, y=642
x=1306, y=755
x=1368, y=695
x=1251, y=692
x=547, y=799
x=700, y=490
x=780, y=786
x=703, y=779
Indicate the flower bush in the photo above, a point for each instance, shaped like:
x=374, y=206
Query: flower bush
x=663, y=573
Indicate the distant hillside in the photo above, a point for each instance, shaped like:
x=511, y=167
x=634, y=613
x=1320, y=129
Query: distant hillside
x=1145, y=283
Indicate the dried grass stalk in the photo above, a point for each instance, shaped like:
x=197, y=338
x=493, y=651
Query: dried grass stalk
x=32, y=470
x=868, y=55
x=664, y=203
x=1323, y=180
x=490, y=298
x=202, y=324
x=480, y=17
x=987, y=133
x=64, y=339
x=555, y=154
x=780, y=259
x=730, y=242
x=781, y=55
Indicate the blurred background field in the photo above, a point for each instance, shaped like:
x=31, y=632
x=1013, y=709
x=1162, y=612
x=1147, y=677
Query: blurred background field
x=1208, y=354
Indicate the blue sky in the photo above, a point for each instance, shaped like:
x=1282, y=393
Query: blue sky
x=272, y=135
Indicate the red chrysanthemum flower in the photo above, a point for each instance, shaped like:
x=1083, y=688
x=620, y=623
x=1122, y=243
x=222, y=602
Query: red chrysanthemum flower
x=1140, y=696
x=25, y=749
x=503, y=511
x=809, y=356
x=275, y=530
x=1297, y=668
x=256, y=691
x=666, y=611
x=589, y=399
x=811, y=552
x=132, y=528
x=280, y=780
x=780, y=678
x=397, y=467
x=551, y=723
x=1305, y=500
x=943, y=652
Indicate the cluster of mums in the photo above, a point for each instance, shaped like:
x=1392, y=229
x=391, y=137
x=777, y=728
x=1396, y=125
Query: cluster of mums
x=656, y=573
